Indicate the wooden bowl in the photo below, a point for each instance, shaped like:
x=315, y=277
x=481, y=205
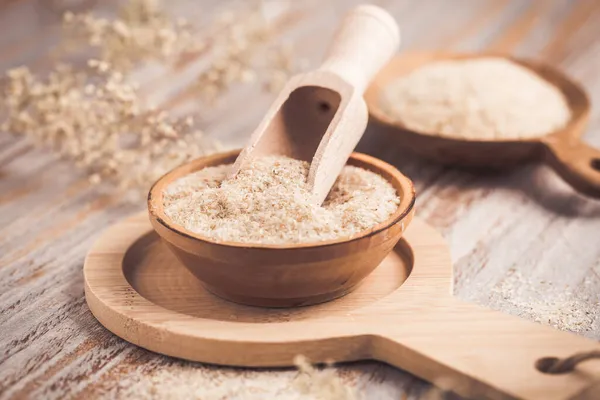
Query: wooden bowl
x=576, y=162
x=282, y=275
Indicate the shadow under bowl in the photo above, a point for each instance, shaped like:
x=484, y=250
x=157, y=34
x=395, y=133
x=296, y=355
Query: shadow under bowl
x=282, y=275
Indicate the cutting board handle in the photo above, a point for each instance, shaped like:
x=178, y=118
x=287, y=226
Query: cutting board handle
x=481, y=353
x=366, y=40
x=576, y=162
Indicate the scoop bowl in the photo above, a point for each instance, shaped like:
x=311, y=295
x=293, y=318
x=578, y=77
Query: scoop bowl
x=282, y=275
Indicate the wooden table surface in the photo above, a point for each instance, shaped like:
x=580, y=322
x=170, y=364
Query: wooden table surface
x=522, y=241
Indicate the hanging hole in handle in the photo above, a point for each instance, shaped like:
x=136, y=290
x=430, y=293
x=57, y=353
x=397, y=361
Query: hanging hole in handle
x=554, y=365
x=324, y=107
x=547, y=365
x=595, y=164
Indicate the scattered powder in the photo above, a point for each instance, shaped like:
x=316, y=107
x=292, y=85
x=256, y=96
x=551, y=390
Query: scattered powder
x=268, y=202
x=488, y=98
x=183, y=380
x=548, y=303
x=163, y=378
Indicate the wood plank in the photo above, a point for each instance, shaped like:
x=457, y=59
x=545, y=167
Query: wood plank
x=521, y=232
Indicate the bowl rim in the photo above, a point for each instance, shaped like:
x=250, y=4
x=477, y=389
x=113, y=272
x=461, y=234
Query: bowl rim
x=579, y=102
x=156, y=208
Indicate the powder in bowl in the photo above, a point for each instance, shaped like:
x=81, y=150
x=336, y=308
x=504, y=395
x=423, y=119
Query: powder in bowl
x=268, y=202
x=486, y=98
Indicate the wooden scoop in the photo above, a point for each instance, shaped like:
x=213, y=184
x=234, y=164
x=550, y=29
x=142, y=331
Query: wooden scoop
x=320, y=116
x=577, y=163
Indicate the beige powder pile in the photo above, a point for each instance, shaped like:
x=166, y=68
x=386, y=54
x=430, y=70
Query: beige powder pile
x=487, y=98
x=268, y=202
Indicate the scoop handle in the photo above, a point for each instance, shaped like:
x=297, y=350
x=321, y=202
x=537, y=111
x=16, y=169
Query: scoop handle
x=484, y=354
x=576, y=162
x=366, y=40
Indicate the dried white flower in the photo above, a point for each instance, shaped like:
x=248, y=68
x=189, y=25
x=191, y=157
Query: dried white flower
x=97, y=119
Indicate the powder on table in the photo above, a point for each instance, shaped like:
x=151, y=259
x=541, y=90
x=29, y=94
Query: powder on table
x=268, y=203
x=174, y=380
x=487, y=98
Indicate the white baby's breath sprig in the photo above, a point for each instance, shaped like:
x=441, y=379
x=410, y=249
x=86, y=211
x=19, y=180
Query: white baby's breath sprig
x=97, y=119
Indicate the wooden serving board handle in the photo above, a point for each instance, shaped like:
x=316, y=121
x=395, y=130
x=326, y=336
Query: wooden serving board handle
x=480, y=353
x=365, y=41
x=576, y=162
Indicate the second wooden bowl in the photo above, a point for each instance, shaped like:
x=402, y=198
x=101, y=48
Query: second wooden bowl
x=575, y=161
x=282, y=275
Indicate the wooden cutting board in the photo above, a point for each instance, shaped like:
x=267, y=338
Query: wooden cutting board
x=403, y=314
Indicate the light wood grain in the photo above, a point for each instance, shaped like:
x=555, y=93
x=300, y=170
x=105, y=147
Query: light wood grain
x=526, y=220
x=476, y=352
